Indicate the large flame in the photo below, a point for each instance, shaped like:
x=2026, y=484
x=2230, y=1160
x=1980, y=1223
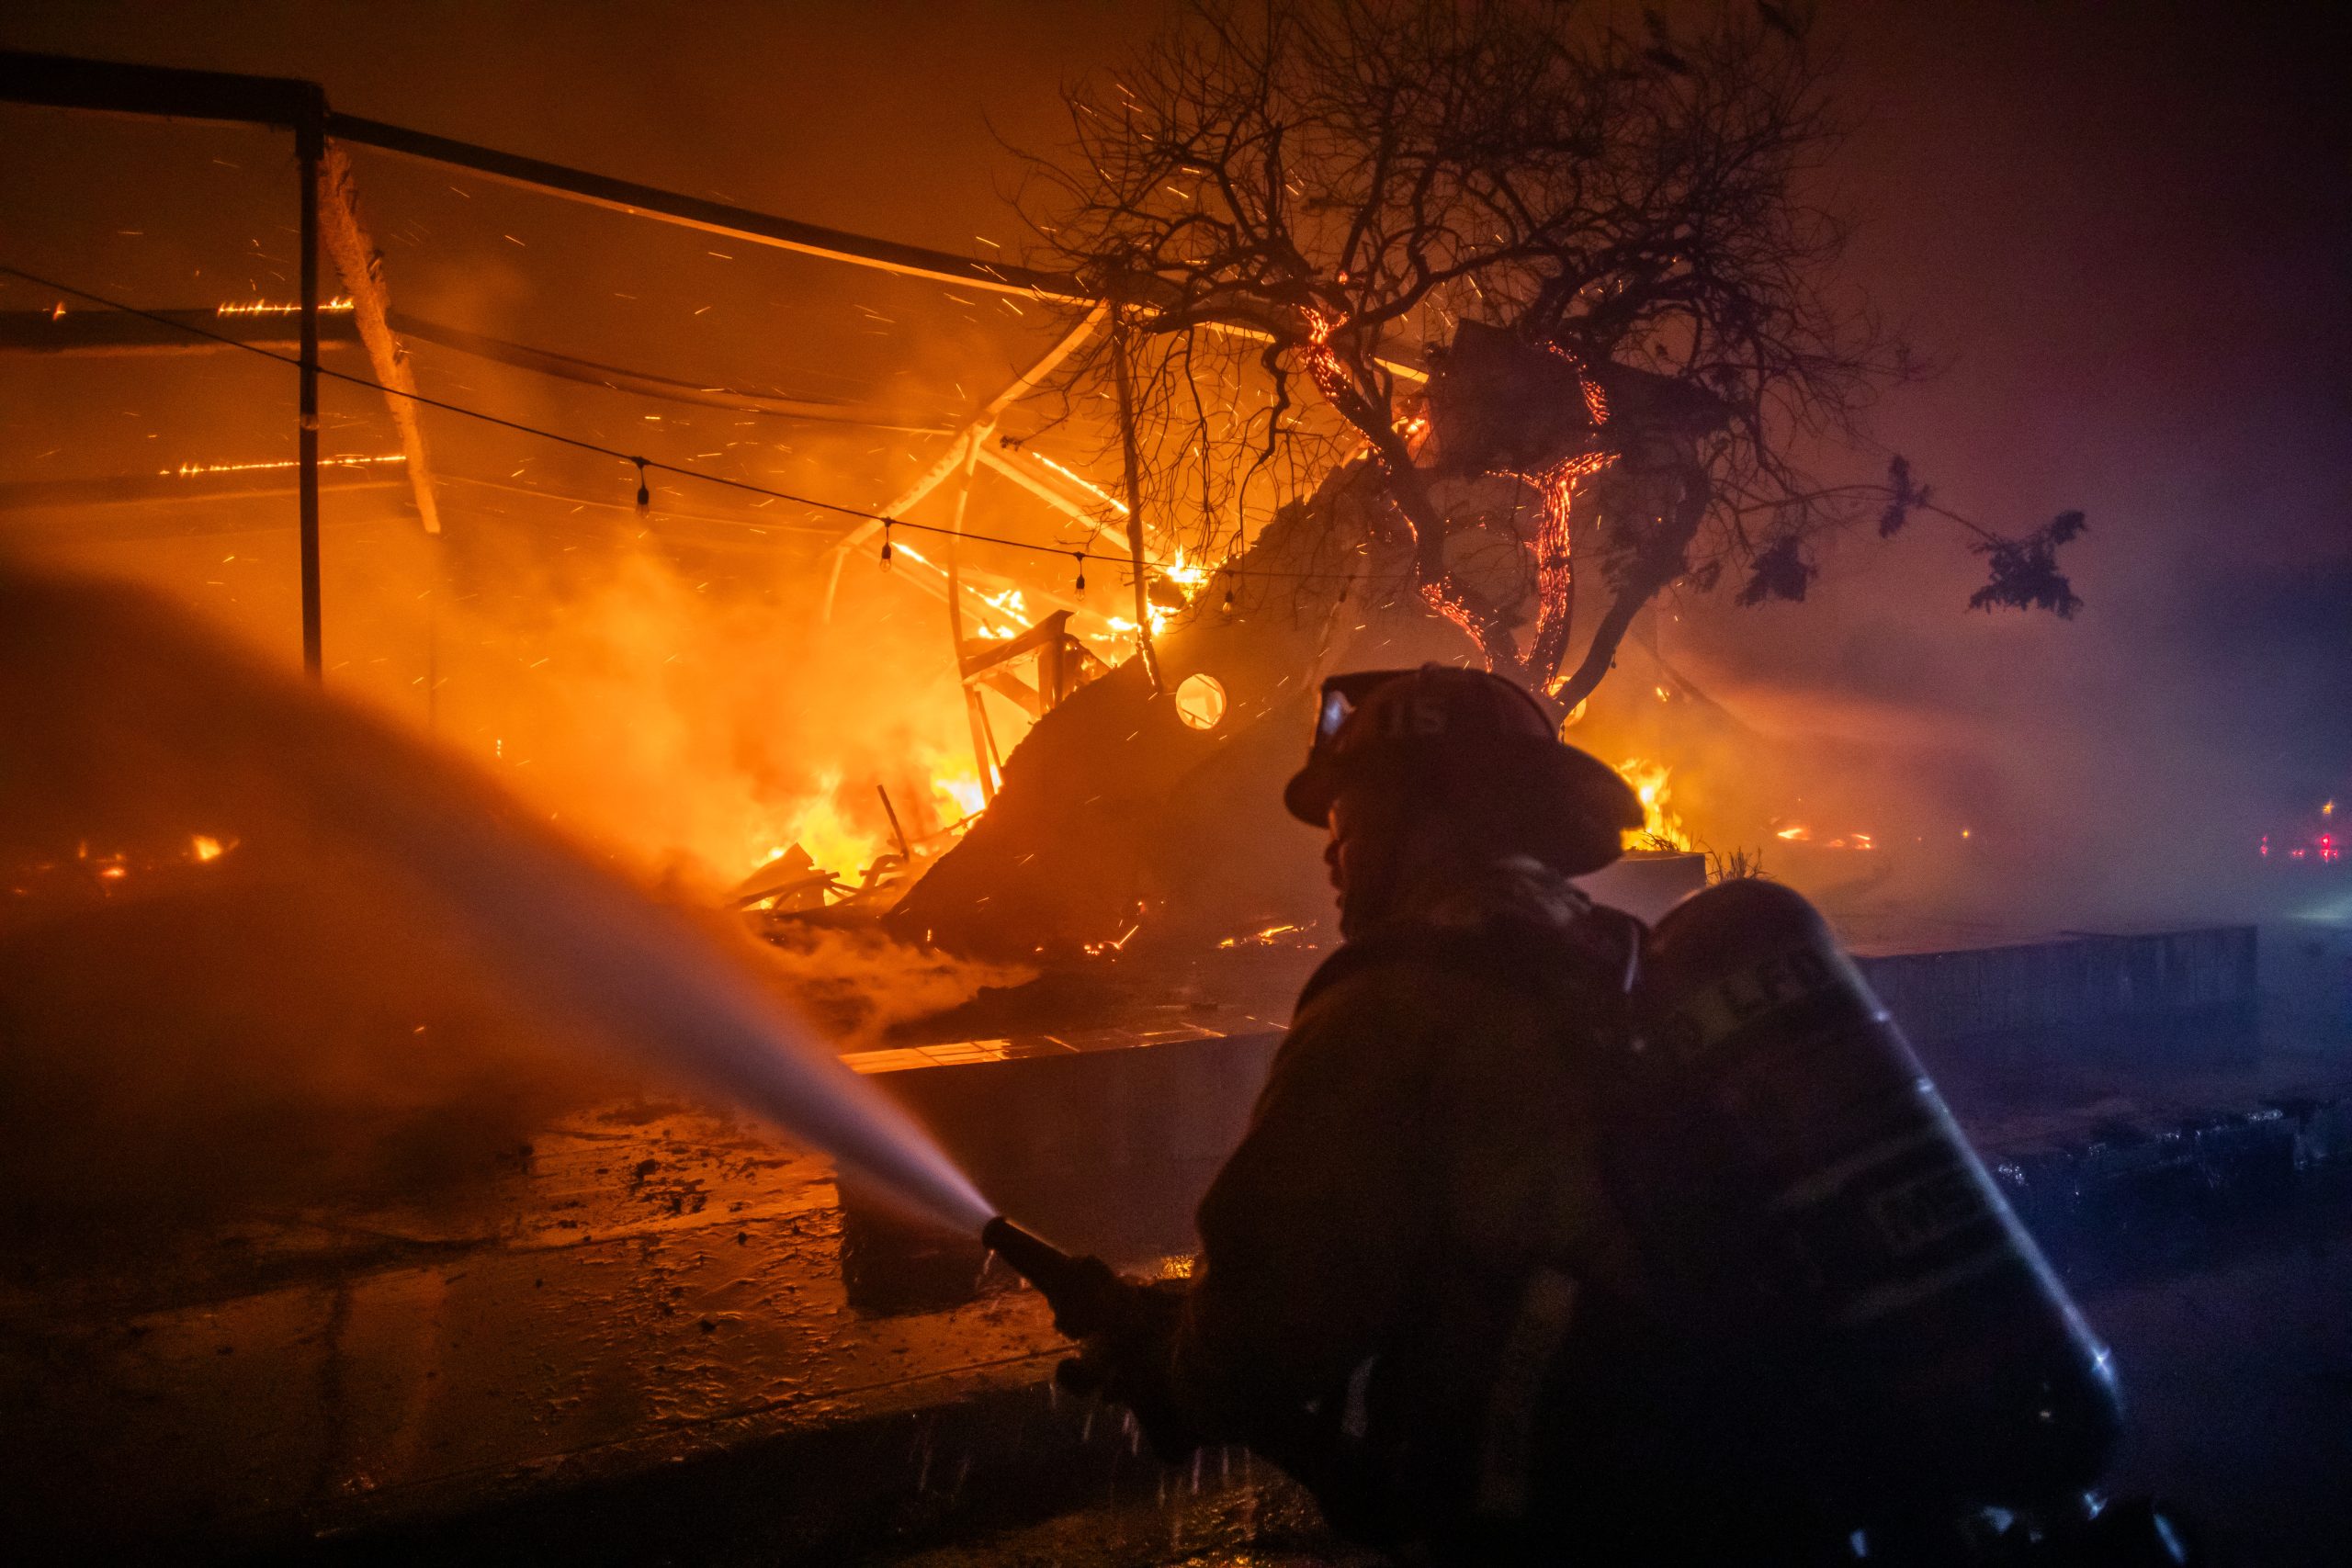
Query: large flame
x=1662, y=827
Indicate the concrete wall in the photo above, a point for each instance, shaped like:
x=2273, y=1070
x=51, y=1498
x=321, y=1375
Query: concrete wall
x=2182, y=996
x=2307, y=979
x=1106, y=1140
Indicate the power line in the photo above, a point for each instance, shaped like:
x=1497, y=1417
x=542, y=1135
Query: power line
x=643, y=463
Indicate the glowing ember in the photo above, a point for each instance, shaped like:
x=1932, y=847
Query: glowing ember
x=189, y=470
x=1097, y=949
x=1260, y=939
x=1798, y=833
x=206, y=848
x=1322, y=360
x=340, y=303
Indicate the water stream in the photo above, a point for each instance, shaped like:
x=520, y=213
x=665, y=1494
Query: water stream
x=118, y=707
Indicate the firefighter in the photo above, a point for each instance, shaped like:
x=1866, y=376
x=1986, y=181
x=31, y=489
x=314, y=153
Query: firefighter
x=1394, y=1259
x=1499, y=1284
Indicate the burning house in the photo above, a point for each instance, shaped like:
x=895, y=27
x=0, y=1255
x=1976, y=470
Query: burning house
x=787, y=767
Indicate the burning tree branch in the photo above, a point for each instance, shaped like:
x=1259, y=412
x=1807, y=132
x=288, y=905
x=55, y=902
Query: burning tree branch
x=1597, y=241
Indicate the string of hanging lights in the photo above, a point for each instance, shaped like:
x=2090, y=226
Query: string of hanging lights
x=646, y=466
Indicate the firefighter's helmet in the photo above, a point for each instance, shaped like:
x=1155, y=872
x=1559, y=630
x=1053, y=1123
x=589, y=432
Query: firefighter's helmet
x=1411, y=727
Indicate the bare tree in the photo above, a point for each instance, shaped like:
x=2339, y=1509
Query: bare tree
x=1500, y=246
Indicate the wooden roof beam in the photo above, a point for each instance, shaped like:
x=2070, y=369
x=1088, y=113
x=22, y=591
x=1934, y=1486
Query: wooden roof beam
x=361, y=267
x=710, y=217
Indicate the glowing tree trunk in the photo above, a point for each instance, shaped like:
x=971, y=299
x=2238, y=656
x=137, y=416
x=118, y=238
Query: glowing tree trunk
x=1115, y=812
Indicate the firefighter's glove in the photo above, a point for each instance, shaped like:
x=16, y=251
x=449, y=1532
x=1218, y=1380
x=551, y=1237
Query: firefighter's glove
x=1126, y=1361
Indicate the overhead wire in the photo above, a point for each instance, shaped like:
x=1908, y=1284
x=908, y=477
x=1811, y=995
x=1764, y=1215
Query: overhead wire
x=643, y=464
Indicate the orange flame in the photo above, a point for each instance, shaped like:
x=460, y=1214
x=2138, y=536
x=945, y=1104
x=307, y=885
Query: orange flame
x=1661, y=824
x=340, y=303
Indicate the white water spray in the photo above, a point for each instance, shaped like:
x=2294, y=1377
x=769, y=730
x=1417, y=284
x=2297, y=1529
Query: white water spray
x=112, y=699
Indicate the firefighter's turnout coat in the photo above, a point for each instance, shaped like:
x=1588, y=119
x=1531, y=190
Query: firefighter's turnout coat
x=1415, y=1290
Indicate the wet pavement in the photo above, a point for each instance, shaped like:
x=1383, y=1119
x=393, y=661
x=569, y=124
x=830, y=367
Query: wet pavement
x=2237, y=1362
x=645, y=1284
x=1259, y=1525
x=635, y=1346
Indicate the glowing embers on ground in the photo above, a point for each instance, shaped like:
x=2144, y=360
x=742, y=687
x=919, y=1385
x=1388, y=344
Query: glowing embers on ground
x=1118, y=945
x=1287, y=934
x=1799, y=833
x=102, y=873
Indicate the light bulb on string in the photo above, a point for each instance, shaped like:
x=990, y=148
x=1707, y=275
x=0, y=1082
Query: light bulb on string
x=1080, y=557
x=644, y=495
x=886, y=544
x=1227, y=606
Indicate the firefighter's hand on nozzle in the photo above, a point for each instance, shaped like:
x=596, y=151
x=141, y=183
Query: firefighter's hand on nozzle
x=1126, y=1363
x=1124, y=1329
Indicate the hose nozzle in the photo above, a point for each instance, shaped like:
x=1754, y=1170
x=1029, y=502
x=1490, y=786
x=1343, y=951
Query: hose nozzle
x=1086, y=1296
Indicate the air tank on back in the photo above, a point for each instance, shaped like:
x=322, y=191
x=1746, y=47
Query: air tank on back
x=1939, y=1354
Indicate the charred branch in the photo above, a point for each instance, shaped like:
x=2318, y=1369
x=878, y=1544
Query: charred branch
x=1600, y=236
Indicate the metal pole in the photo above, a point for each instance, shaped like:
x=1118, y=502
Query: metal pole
x=310, y=147
x=1119, y=343
x=974, y=440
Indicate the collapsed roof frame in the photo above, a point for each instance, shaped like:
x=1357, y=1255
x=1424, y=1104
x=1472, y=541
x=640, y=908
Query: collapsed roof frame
x=325, y=181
